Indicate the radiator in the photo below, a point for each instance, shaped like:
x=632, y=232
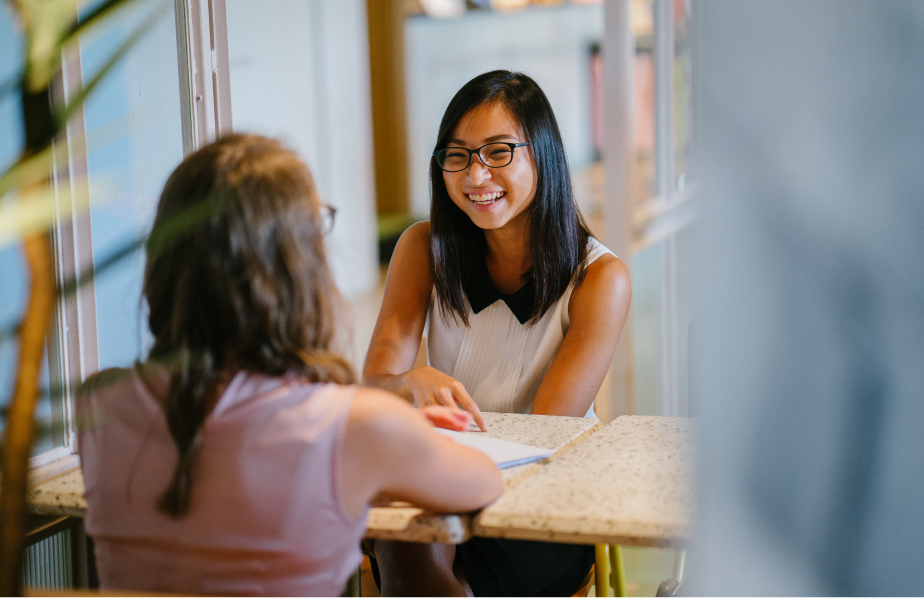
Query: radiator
x=48, y=562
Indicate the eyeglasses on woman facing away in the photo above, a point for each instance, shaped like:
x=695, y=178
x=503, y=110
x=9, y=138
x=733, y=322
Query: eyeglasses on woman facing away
x=328, y=213
x=492, y=155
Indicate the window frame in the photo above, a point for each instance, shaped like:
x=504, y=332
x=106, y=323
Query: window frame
x=633, y=225
x=205, y=103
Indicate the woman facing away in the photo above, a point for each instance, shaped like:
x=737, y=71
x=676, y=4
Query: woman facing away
x=238, y=459
x=523, y=307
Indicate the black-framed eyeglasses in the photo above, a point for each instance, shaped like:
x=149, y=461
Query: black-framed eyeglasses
x=328, y=213
x=492, y=155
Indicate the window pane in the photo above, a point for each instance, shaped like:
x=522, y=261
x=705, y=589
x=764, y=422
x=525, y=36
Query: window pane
x=12, y=268
x=647, y=322
x=13, y=293
x=645, y=184
x=682, y=92
x=134, y=140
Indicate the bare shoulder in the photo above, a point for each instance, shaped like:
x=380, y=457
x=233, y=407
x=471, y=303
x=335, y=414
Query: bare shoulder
x=604, y=292
x=415, y=241
x=606, y=273
x=418, y=232
x=410, y=264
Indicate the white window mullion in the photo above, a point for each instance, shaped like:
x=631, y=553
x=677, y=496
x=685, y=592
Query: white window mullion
x=618, y=96
x=670, y=371
x=205, y=84
x=664, y=94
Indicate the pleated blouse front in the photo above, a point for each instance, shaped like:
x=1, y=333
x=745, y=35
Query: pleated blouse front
x=500, y=361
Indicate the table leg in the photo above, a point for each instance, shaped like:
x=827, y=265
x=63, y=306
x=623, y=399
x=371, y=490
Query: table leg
x=602, y=570
x=618, y=572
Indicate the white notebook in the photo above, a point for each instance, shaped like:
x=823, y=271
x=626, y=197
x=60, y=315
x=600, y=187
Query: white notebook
x=502, y=452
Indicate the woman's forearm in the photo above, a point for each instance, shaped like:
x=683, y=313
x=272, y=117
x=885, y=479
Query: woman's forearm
x=393, y=383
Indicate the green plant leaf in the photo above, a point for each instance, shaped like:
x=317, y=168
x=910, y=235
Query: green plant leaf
x=31, y=170
x=44, y=22
x=35, y=211
x=161, y=237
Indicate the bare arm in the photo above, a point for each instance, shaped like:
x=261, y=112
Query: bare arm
x=399, y=329
x=597, y=311
x=391, y=448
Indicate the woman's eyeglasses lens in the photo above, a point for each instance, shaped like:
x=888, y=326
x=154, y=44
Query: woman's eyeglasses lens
x=493, y=155
x=327, y=218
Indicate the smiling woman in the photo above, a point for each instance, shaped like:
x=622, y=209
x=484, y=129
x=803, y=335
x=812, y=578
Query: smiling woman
x=496, y=190
x=524, y=307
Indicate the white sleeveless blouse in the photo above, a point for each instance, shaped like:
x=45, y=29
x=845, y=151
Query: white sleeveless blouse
x=500, y=361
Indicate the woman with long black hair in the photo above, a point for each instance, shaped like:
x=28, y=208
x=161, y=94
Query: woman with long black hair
x=523, y=306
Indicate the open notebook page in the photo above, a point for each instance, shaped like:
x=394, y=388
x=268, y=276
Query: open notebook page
x=504, y=453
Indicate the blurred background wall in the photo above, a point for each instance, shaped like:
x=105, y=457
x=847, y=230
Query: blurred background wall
x=300, y=73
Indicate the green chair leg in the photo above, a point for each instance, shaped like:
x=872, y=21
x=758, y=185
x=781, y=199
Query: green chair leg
x=353, y=587
x=618, y=570
x=602, y=570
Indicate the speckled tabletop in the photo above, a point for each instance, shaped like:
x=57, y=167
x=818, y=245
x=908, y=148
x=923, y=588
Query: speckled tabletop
x=401, y=521
x=629, y=483
x=62, y=495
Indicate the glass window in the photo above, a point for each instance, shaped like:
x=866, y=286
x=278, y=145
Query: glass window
x=134, y=140
x=14, y=289
x=647, y=321
x=663, y=294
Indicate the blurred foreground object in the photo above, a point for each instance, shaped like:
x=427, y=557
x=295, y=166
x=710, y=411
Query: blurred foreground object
x=810, y=378
x=50, y=29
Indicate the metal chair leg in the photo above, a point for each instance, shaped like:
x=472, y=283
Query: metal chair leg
x=671, y=586
x=679, y=562
x=602, y=570
x=618, y=572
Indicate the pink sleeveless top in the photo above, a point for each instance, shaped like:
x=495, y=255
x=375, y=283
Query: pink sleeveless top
x=266, y=515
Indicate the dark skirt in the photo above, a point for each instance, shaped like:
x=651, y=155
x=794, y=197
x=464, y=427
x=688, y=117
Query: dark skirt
x=521, y=568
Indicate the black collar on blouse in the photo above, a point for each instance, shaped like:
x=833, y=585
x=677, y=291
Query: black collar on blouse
x=482, y=293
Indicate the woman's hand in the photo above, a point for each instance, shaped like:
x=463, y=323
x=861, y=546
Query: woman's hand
x=431, y=387
x=449, y=418
x=400, y=326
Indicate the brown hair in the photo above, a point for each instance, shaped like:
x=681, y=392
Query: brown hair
x=236, y=278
